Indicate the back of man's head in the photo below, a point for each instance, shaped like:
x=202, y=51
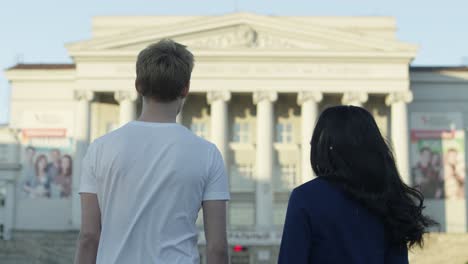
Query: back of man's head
x=163, y=71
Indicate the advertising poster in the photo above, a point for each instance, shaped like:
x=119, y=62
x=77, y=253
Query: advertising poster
x=47, y=157
x=438, y=155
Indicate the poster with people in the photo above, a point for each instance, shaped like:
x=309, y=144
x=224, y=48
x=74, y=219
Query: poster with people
x=438, y=155
x=47, y=172
x=47, y=154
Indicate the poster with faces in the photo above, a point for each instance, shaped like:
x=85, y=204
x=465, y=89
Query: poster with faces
x=47, y=155
x=47, y=172
x=438, y=155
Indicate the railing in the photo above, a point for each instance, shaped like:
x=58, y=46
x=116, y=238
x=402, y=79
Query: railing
x=8, y=174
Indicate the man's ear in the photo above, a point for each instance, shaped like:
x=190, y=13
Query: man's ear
x=185, y=91
x=137, y=87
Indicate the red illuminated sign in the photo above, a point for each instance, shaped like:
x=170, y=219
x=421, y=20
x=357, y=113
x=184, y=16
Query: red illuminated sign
x=239, y=248
x=44, y=132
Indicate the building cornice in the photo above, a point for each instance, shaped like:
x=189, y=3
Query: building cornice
x=246, y=55
x=29, y=75
x=43, y=66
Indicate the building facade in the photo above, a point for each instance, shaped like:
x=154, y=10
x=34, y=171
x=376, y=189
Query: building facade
x=258, y=86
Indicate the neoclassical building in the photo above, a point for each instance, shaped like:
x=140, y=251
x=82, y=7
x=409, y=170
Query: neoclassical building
x=258, y=85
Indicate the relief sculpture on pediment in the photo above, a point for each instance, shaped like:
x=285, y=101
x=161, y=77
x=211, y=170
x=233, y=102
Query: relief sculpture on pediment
x=242, y=36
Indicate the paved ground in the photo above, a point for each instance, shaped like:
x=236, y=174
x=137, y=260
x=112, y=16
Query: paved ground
x=58, y=248
x=442, y=249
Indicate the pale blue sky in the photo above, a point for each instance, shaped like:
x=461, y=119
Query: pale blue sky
x=35, y=31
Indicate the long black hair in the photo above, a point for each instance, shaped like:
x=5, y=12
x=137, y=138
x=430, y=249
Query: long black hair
x=348, y=150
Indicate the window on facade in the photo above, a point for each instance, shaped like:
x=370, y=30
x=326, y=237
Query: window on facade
x=241, y=132
x=287, y=178
x=200, y=129
x=241, y=214
x=279, y=213
x=241, y=177
x=284, y=133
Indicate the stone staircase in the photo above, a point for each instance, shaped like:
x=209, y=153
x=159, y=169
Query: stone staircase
x=442, y=249
x=31, y=247
x=46, y=247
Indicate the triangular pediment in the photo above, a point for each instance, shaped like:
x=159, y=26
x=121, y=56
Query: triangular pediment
x=244, y=32
x=240, y=36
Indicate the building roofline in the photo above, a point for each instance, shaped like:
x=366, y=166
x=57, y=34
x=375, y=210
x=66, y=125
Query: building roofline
x=43, y=66
x=438, y=68
x=71, y=66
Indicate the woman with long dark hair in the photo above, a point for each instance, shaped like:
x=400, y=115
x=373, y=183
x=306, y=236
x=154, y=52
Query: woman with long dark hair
x=39, y=187
x=64, y=179
x=358, y=210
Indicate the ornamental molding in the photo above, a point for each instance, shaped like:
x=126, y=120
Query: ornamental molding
x=241, y=36
x=83, y=95
x=212, y=96
x=245, y=30
x=120, y=96
x=259, y=96
x=354, y=98
x=312, y=70
x=314, y=96
x=399, y=97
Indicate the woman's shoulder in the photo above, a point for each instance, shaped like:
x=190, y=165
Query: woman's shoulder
x=318, y=190
x=315, y=186
x=326, y=200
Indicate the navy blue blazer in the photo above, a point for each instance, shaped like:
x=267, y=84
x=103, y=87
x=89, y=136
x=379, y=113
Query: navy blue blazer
x=324, y=226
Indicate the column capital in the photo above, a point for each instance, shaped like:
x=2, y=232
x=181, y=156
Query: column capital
x=125, y=95
x=85, y=95
x=314, y=96
x=354, y=98
x=259, y=96
x=212, y=96
x=399, y=97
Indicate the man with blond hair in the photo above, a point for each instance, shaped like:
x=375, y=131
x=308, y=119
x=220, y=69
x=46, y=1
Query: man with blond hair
x=143, y=184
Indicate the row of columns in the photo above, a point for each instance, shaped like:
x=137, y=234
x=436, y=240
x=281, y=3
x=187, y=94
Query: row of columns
x=264, y=101
x=83, y=98
x=309, y=102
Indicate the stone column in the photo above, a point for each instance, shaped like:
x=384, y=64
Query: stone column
x=399, y=130
x=264, y=158
x=179, y=118
x=309, y=114
x=82, y=133
x=219, y=119
x=354, y=98
x=127, y=101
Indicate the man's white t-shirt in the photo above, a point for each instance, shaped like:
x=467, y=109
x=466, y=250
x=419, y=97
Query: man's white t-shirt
x=150, y=180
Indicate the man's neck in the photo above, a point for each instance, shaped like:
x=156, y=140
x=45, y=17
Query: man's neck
x=159, y=112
